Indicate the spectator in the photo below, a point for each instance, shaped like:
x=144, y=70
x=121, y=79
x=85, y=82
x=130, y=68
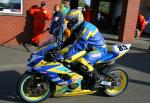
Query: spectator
x=58, y=22
x=40, y=15
x=65, y=7
x=141, y=24
x=65, y=10
x=100, y=19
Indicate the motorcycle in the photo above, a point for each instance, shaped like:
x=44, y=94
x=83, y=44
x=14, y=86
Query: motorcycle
x=47, y=77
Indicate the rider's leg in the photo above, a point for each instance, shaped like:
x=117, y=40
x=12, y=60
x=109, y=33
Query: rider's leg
x=88, y=60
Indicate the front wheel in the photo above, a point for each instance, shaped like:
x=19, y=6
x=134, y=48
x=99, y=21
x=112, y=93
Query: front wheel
x=33, y=88
x=119, y=78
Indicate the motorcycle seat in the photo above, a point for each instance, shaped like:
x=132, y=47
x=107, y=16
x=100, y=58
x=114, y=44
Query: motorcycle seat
x=109, y=56
x=114, y=52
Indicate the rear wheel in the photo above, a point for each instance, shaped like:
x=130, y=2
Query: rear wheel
x=119, y=78
x=33, y=88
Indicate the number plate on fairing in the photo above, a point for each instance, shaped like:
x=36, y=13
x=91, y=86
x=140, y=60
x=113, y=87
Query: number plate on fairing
x=121, y=48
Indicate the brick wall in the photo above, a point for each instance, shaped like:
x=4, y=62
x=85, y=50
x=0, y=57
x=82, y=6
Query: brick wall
x=129, y=20
x=17, y=29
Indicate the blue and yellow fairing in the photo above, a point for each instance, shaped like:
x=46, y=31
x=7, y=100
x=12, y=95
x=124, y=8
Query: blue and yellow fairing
x=62, y=89
x=53, y=69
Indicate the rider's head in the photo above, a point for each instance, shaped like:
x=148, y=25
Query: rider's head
x=74, y=18
x=43, y=4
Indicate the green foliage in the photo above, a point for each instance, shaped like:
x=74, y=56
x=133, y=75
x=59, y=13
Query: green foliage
x=81, y=3
x=104, y=7
x=2, y=5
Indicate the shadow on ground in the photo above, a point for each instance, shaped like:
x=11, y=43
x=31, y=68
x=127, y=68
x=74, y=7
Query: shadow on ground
x=137, y=61
x=8, y=81
x=141, y=49
x=139, y=82
x=24, y=38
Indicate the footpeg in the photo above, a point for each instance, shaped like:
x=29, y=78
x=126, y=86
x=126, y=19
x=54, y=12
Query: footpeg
x=106, y=83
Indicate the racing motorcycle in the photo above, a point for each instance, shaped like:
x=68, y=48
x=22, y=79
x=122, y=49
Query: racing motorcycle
x=47, y=77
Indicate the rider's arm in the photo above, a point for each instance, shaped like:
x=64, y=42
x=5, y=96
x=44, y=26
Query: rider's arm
x=81, y=44
x=69, y=41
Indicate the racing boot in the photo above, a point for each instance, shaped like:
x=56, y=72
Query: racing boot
x=98, y=79
x=90, y=71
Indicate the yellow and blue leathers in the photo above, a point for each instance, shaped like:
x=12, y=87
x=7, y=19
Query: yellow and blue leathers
x=87, y=37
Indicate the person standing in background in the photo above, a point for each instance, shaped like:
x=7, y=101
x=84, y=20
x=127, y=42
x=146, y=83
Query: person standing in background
x=57, y=22
x=141, y=24
x=65, y=7
x=65, y=10
x=40, y=15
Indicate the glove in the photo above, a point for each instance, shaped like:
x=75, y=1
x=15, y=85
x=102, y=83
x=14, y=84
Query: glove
x=66, y=56
x=59, y=57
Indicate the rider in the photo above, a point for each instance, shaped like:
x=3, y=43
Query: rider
x=85, y=36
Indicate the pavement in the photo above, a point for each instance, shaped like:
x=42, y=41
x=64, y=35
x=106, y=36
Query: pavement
x=136, y=61
x=141, y=43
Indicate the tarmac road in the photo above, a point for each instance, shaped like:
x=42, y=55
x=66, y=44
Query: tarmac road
x=137, y=62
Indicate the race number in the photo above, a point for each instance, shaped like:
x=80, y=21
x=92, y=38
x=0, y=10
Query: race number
x=121, y=48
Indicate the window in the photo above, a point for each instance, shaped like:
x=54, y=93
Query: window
x=11, y=6
x=104, y=7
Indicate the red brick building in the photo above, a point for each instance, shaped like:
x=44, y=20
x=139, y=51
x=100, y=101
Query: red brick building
x=129, y=13
x=17, y=28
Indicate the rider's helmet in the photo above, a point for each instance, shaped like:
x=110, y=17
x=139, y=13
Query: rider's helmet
x=74, y=18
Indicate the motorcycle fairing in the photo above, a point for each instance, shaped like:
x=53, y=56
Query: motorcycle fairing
x=114, y=53
x=53, y=70
x=34, y=59
x=41, y=52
